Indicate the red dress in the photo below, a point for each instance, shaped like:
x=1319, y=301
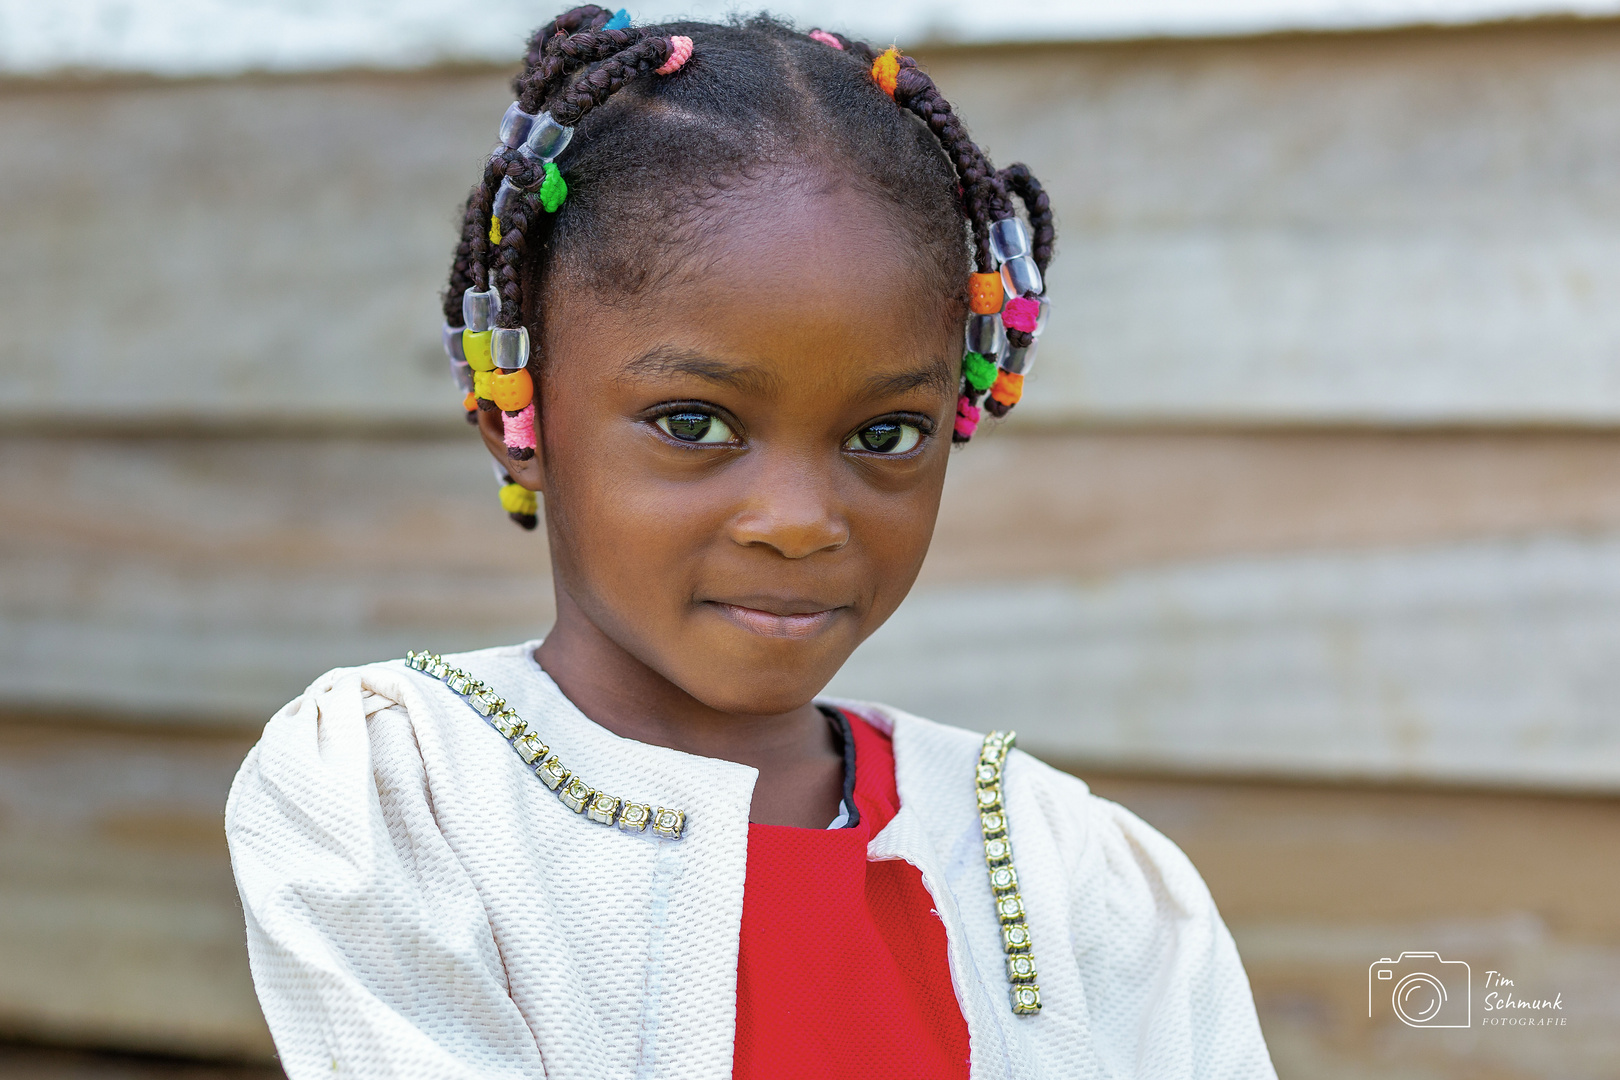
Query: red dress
x=842, y=969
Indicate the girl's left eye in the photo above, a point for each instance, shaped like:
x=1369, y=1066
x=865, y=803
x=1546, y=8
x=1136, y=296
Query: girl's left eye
x=885, y=437
x=695, y=427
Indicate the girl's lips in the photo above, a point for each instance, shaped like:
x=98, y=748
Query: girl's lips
x=772, y=625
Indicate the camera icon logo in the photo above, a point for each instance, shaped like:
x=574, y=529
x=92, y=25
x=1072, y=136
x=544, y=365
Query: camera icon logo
x=1422, y=990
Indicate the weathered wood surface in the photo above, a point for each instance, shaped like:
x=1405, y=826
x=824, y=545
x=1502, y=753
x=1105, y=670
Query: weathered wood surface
x=1409, y=227
x=119, y=921
x=1484, y=663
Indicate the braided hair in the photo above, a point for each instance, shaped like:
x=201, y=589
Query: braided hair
x=643, y=130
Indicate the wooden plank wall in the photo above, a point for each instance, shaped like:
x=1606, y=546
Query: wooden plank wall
x=1317, y=482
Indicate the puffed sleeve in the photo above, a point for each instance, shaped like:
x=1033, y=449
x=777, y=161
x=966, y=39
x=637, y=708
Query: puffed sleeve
x=370, y=947
x=1166, y=991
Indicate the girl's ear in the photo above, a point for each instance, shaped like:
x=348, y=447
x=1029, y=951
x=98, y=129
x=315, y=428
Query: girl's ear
x=530, y=473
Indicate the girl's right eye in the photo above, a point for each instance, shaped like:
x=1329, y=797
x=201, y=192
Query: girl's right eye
x=695, y=427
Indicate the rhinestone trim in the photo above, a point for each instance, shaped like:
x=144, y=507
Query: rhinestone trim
x=998, y=860
x=571, y=789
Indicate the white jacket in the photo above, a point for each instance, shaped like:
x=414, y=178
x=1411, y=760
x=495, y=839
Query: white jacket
x=419, y=905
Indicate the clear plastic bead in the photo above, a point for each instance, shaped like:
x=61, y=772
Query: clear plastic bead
x=503, y=195
x=515, y=125
x=546, y=139
x=510, y=348
x=1008, y=239
x=451, y=337
x=1040, y=316
x=462, y=372
x=478, y=309
x=1017, y=361
x=984, y=334
x=1021, y=276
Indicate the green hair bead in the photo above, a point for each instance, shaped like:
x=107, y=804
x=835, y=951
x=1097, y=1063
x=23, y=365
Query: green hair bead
x=979, y=372
x=554, y=189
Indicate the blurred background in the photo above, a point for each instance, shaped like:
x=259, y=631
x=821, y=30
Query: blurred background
x=1305, y=543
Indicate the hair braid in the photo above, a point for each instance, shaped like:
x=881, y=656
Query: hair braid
x=566, y=55
x=983, y=189
x=1021, y=182
x=588, y=16
x=607, y=76
x=467, y=268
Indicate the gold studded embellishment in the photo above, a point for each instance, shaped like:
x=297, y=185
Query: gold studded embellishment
x=1026, y=996
x=571, y=790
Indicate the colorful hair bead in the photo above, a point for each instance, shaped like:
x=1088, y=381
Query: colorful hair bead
x=510, y=348
x=484, y=385
x=517, y=499
x=1021, y=313
x=545, y=139
x=979, y=371
x=519, y=433
x=475, y=346
x=515, y=125
x=1008, y=239
x=680, y=51
x=511, y=390
x=1017, y=360
x=1008, y=389
x=967, y=418
x=886, y=69
x=984, y=334
x=554, y=189
x=985, y=293
x=826, y=39
x=1021, y=276
x=620, y=21
x=479, y=307
x=470, y=403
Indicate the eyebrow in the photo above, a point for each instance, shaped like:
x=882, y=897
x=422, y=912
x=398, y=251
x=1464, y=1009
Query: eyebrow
x=936, y=376
x=664, y=363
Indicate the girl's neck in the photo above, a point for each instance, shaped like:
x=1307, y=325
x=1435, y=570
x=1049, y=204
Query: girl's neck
x=797, y=754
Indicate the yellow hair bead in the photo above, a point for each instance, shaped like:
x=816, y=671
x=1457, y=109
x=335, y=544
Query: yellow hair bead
x=475, y=346
x=517, y=499
x=484, y=384
x=886, y=69
x=495, y=230
x=511, y=390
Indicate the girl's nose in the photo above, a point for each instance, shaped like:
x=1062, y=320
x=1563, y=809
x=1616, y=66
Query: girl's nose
x=792, y=510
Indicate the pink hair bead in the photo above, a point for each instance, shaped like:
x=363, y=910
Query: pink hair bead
x=519, y=432
x=826, y=39
x=967, y=417
x=1021, y=314
x=680, y=51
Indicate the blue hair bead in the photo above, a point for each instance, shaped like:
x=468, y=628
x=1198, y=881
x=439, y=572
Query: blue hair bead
x=620, y=21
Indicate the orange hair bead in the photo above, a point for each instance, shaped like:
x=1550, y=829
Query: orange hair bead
x=512, y=390
x=886, y=69
x=470, y=402
x=986, y=293
x=1008, y=389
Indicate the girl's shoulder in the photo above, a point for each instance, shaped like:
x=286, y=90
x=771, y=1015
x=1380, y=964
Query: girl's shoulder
x=1053, y=817
x=357, y=730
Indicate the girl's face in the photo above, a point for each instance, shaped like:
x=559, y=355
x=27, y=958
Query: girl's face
x=742, y=467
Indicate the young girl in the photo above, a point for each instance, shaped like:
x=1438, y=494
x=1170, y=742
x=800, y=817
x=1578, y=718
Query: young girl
x=709, y=305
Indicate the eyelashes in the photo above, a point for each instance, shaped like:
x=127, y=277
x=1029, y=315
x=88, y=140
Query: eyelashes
x=698, y=424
